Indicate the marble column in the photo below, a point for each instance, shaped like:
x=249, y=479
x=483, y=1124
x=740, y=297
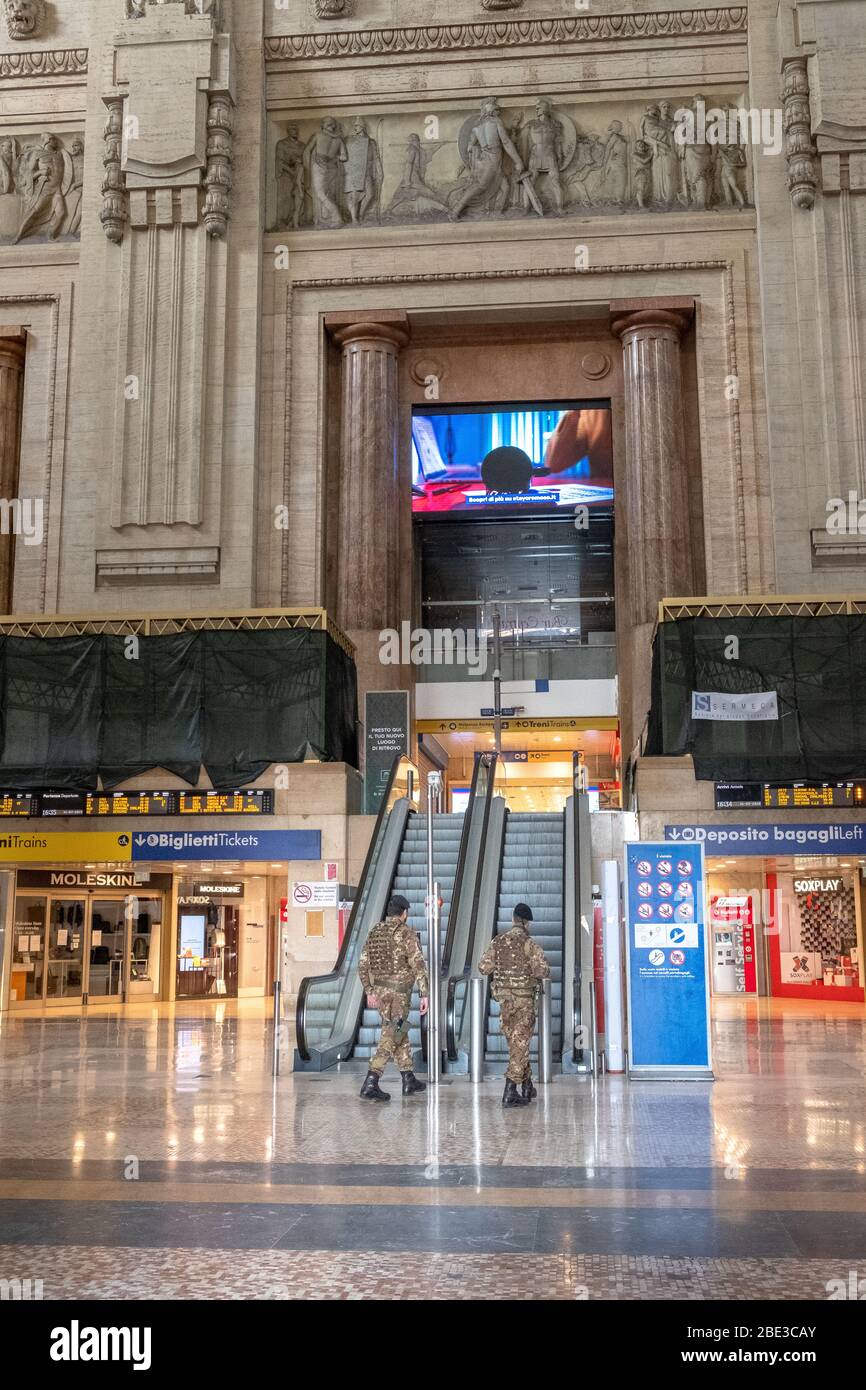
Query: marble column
x=370, y=504
x=13, y=343
x=655, y=483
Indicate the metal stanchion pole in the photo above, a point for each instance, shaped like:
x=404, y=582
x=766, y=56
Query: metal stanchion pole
x=434, y=789
x=276, y=1041
x=545, y=1060
x=476, y=1029
x=593, y=1028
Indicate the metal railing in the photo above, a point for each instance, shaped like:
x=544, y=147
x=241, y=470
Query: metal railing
x=164, y=624
x=403, y=782
x=483, y=788
x=760, y=606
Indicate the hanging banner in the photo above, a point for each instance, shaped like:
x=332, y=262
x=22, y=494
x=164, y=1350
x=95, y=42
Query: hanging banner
x=386, y=737
x=667, y=975
x=711, y=704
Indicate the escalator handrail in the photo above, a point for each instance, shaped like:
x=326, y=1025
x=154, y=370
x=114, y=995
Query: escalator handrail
x=385, y=809
x=484, y=761
x=454, y=979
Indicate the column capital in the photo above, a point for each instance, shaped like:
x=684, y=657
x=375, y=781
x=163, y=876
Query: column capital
x=13, y=346
x=389, y=327
x=672, y=312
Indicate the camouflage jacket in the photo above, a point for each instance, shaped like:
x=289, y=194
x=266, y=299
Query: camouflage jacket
x=392, y=958
x=523, y=978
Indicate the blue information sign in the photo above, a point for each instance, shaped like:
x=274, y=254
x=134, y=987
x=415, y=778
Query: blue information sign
x=668, y=981
x=226, y=844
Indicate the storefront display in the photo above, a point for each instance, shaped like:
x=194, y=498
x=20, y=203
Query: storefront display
x=814, y=949
x=85, y=937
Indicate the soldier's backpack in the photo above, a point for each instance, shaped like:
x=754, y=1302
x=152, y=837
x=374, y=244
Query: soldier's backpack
x=386, y=956
x=512, y=974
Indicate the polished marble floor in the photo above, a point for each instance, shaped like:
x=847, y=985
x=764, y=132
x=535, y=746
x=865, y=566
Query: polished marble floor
x=153, y=1156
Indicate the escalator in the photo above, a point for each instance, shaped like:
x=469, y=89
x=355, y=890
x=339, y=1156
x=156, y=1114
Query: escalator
x=332, y=1019
x=411, y=880
x=532, y=871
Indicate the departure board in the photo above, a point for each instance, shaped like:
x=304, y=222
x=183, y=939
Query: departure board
x=18, y=804
x=132, y=804
x=809, y=797
x=118, y=805
x=790, y=796
x=62, y=804
x=236, y=803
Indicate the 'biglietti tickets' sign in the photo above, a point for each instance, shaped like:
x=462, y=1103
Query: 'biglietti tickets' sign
x=772, y=839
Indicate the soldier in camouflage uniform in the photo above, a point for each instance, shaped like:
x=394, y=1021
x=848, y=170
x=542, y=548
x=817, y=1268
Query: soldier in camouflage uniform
x=518, y=966
x=391, y=963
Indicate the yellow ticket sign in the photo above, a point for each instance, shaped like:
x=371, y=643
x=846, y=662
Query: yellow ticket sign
x=46, y=846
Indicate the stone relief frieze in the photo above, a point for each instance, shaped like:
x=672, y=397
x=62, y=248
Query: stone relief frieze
x=505, y=160
x=25, y=19
x=137, y=9
x=41, y=180
x=505, y=33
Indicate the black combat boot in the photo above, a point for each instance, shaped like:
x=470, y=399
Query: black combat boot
x=510, y=1095
x=370, y=1089
x=527, y=1089
x=411, y=1084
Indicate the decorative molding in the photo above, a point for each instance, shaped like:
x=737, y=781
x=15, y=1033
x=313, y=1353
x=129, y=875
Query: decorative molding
x=60, y=62
x=501, y=4
x=53, y=450
x=24, y=19
x=115, y=201
x=800, y=153
x=218, y=174
x=663, y=24
x=540, y=273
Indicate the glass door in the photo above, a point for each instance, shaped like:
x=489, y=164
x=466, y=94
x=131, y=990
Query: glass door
x=109, y=949
x=64, y=967
x=28, y=950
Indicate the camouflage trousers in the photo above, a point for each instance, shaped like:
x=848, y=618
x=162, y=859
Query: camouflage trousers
x=517, y=1017
x=392, y=1007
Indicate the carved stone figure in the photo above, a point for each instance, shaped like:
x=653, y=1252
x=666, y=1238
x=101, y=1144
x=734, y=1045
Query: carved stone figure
x=24, y=18
x=324, y=155
x=643, y=172
x=488, y=144
x=413, y=195
x=698, y=162
x=615, y=164
x=291, y=188
x=587, y=176
x=362, y=171
x=73, y=198
x=44, y=178
x=8, y=165
x=333, y=9
x=545, y=152
x=732, y=159
x=656, y=128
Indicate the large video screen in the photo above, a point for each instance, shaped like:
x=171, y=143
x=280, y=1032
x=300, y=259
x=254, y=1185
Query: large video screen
x=540, y=457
